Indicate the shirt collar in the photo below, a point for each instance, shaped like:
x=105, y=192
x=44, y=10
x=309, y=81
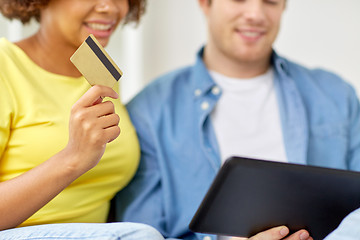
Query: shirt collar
x=203, y=83
x=280, y=64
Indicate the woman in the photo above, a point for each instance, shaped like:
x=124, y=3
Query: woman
x=61, y=160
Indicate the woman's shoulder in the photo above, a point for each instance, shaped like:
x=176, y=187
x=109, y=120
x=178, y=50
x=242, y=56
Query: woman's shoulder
x=5, y=47
x=10, y=53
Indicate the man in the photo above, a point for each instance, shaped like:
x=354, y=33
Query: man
x=240, y=98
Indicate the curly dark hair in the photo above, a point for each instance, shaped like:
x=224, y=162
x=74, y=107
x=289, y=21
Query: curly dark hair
x=25, y=10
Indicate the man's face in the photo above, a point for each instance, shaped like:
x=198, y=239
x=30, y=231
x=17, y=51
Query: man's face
x=243, y=30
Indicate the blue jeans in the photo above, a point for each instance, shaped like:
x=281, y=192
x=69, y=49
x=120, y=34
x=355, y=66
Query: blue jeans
x=93, y=231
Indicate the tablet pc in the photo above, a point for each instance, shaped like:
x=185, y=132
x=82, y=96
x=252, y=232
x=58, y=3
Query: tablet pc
x=249, y=196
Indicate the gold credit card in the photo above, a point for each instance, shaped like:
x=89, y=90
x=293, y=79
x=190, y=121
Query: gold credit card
x=95, y=64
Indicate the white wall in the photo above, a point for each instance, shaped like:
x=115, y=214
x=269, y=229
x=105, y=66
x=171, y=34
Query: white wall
x=321, y=33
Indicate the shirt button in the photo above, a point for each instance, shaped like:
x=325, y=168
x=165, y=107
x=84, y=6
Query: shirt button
x=204, y=105
x=197, y=92
x=207, y=238
x=215, y=90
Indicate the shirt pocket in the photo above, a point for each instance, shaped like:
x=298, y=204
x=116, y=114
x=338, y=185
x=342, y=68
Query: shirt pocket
x=328, y=145
x=332, y=130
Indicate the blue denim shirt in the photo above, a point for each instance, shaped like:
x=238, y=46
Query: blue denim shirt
x=320, y=116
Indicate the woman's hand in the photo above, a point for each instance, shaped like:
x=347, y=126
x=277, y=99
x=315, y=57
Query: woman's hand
x=92, y=125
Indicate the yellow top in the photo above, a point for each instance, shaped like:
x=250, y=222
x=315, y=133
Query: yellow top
x=34, y=114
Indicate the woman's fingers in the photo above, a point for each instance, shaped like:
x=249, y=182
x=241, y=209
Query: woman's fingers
x=93, y=95
x=92, y=125
x=108, y=121
x=101, y=109
x=112, y=133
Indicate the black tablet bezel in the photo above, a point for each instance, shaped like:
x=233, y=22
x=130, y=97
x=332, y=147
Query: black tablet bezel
x=250, y=195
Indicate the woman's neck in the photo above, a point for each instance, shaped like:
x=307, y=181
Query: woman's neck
x=51, y=55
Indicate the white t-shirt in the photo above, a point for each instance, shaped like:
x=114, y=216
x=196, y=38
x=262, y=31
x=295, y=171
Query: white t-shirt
x=246, y=118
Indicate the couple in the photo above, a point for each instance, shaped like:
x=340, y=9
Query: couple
x=55, y=129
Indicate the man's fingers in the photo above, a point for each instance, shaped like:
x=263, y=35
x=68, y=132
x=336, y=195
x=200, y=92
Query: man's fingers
x=278, y=233
x=299, y=235
x=95, y=95
x=275, y=233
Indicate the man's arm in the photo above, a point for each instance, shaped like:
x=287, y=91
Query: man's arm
x=354, y=132
x=142, y=200
x=349, y=227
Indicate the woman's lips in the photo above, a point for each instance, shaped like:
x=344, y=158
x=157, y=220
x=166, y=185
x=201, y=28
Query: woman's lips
x=100, y=29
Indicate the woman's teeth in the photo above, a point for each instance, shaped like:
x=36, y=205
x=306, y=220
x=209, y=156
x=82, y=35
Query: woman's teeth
x=99, y=26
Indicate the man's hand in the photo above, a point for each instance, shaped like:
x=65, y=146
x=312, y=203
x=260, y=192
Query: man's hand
x=277, y=233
